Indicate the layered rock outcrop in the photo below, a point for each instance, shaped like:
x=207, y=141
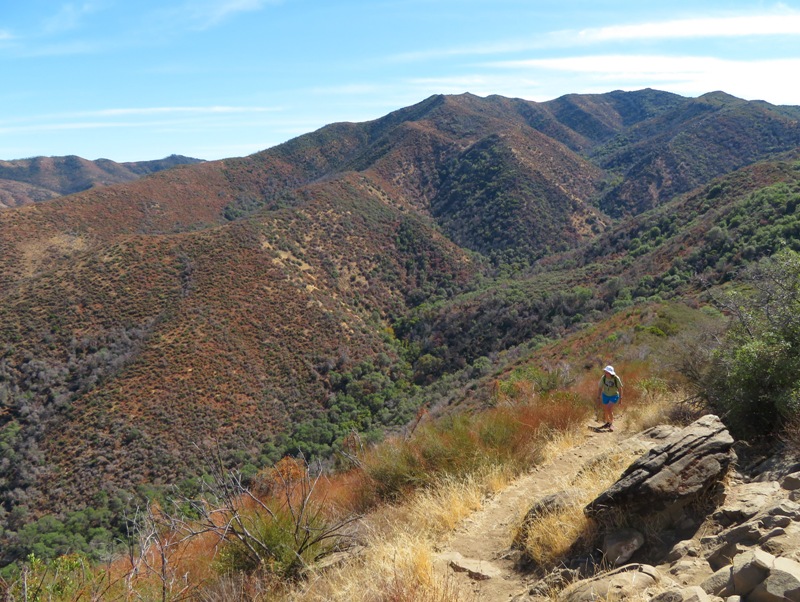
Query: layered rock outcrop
x=671, y=474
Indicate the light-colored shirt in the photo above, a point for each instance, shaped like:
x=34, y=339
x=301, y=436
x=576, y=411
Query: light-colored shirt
x=611, y=385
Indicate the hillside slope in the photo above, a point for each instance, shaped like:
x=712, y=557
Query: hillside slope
x=686, y=147
x=121, y=358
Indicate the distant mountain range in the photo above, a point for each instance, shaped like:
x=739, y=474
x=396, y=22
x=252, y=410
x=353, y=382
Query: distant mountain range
x=278, y=302
x=26, y=181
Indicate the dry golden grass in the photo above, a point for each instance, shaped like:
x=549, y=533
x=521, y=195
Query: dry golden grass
x=551, y=537
x=655, y=404
x=397, y=564
x=555, y=443
x=399, y=569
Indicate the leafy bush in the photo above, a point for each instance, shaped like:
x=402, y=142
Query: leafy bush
x=282, y=531
x=69, y=577
x=538, y=379
x=753, y=380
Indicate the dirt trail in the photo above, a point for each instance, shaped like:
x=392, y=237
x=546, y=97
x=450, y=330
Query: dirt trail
x=477, y=553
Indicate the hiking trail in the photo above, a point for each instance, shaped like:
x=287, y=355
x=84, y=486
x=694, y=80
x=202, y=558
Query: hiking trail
x=477, y=555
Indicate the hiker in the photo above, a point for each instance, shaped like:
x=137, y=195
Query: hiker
x=610, y=395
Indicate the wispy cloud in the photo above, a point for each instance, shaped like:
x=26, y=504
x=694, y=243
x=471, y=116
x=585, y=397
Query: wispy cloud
x=70, y=16
x=783, y=24
x=207, y=14
x=723, y=27
x=652, y=67
x=213, y=110
x=156, y=26
x=128, y=117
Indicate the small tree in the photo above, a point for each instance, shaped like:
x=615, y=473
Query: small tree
x=153, y=537
x=281, y=529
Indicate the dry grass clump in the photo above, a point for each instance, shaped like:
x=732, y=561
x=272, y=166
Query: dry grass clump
x=398, y=562
x=655, y=403
x=398, y=570
x=552, y=537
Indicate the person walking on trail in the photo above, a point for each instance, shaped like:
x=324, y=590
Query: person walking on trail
x=610, y=395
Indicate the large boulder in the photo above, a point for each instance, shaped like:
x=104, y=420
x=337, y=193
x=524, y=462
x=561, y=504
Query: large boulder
x=678, y=470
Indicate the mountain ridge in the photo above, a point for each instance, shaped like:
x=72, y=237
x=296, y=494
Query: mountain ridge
x=25, y=181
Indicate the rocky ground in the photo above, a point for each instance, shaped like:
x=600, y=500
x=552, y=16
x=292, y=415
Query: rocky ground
x=706, y=518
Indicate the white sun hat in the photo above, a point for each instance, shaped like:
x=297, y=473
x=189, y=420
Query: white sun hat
x=610, y=370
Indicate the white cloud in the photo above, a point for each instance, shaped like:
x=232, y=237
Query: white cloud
x=214, y=116
x=742, y=26
x=187, y=110
x=787, y=23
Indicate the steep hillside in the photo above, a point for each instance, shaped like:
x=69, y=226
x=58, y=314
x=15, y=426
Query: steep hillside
x=592, y=119
x=518, y=196
x=700, y=240
x=125, y=362
x=26, y=181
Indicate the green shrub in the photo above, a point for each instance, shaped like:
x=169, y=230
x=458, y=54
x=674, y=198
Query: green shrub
x=67, y=577
x=754, y=376
x=542, y=380
x=275, y=545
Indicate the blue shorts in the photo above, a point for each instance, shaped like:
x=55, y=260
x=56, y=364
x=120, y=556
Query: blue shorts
x=607, y=399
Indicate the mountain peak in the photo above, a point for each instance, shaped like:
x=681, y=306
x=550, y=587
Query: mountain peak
x=719, y=97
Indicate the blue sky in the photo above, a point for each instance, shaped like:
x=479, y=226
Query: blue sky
x=132, y=81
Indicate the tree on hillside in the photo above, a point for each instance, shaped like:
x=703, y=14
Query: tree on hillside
x=753, y=378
